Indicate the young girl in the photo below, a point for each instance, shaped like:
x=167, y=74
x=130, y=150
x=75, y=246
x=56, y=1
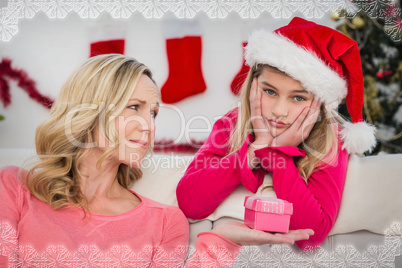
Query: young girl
x=74, y=208
x=286, y=126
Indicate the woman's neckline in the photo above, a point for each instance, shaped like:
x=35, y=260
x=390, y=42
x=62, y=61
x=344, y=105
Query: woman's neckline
x=133, y=210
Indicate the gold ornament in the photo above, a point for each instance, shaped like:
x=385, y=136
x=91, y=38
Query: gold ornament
x=397, y=74
x=373, y=106
x=343, y=28
x=335, y=15
x=358, y=22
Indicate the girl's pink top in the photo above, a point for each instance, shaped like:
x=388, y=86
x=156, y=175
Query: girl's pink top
x=211, y=177
x=32, y=234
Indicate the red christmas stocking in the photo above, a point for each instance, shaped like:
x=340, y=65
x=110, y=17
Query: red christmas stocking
x=107, y=47
x=107, y=39
x=240, y=76
x=185, y=74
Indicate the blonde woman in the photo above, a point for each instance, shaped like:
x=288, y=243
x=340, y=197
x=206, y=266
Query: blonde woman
x=286, y=126
x=74, y=208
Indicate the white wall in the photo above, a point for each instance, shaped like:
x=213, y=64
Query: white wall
x=49, y=49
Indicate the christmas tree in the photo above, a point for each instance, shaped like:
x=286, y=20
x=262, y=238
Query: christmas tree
x=377, y=28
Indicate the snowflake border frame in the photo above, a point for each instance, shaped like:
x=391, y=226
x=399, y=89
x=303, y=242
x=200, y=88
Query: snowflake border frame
x=182, y=9
x=381, y=255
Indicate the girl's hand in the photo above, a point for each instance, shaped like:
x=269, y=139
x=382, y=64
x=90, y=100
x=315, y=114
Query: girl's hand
x=243, y=235
x=301, y=128
x=263, y=137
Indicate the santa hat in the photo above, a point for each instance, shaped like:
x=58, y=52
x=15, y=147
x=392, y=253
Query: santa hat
x=326, y=63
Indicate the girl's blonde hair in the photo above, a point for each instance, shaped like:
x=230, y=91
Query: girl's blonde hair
x=321, y=145
x=92, y=96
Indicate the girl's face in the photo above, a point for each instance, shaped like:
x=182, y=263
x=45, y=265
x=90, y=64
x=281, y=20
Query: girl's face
x=283, y=99
x=135, y=125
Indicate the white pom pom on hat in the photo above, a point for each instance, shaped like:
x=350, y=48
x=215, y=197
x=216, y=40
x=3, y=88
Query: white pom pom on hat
x=358, y=137
x=326, y=62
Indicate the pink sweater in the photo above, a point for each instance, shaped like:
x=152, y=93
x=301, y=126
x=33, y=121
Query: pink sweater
x=33, y=234
x=211, y=177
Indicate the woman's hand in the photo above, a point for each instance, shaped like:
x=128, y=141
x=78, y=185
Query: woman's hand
x=243, y=235
x=301, y=127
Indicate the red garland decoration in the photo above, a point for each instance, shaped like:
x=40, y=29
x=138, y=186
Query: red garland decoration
x=24, y=81
x=166, y=146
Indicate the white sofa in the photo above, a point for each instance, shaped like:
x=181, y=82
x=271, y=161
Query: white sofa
x=367, y=232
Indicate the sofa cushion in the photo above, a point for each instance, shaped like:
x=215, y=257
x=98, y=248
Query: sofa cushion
x=161, y=174
x=372, y=196
x=17, y=157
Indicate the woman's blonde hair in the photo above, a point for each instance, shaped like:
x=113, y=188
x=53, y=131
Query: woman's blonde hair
x=92, y=96
x=321, y=145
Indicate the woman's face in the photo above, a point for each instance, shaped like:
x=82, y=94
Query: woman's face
x=283, y=99
x=135, y=125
